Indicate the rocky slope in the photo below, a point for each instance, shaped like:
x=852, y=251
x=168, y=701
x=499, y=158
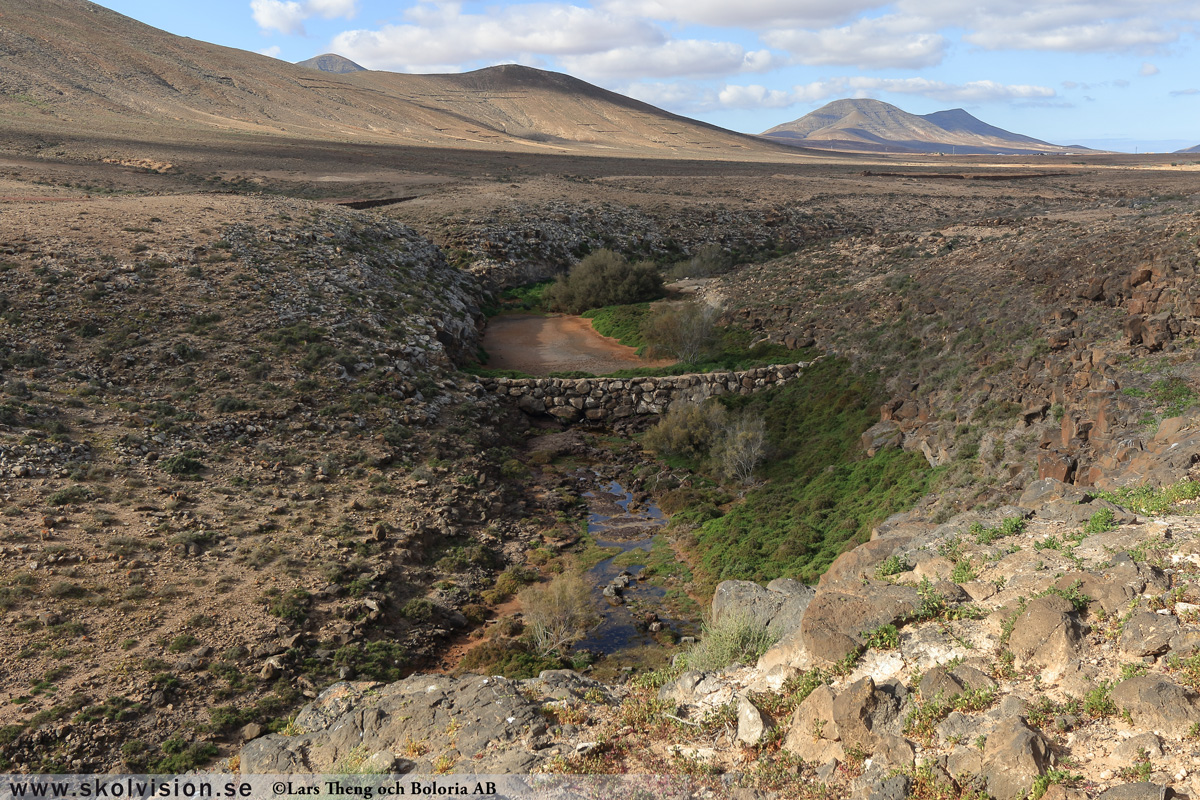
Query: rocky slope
x=1046, y=647
x=232, y=435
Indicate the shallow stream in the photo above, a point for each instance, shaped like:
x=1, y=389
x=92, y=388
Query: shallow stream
x=616, y=520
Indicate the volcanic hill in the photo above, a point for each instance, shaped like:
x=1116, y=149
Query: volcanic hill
x=874, y=126
x=74, y=65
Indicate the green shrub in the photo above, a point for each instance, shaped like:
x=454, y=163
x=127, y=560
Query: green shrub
x=707, y=260
x=179, y=756
x=688, y=430
x=72, y=494
x=1103, y=520
x=181, y=465
x=378, y=660
x=603, y=278
x=892, y=565
x=623, y=323
x=418, y=610
x=508, y=658
x=290, y=606
x=228, y=404
x=1153, y=501
x=731, y=639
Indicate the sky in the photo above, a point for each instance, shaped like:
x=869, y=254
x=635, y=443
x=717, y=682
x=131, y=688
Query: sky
x=1112, y=74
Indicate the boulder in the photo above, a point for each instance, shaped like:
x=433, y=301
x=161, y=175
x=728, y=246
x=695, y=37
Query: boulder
x=1156, y=704
x=690, y=687
x=778, y=607
x=1046, y=636
x=859, y=563
x=753, y=724
x=1148, y=634
x=1013, y=756
x=812, y=734
x=459, y=717
x=834, y=621
x=853, y=712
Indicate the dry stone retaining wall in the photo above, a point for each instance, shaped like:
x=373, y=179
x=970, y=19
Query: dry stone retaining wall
x=597, y=399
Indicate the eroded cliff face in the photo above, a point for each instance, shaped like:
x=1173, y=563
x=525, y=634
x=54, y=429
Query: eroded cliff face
x=1047, y=346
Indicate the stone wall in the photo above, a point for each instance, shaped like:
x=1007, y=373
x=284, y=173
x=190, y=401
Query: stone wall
x=596, y=399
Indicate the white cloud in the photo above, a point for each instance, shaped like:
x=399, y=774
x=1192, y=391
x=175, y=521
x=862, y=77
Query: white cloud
x=680, y=97
x=1137, y=35
x=271, y=52
x=438, y=38
x=754, y=96
x=330, y=9
x=688, y=57
x=1148, y=69
x=970, y=92
x=751, y=14
x=886, y=42
x=288, y=16
x=278, y=15
x=1185, y=92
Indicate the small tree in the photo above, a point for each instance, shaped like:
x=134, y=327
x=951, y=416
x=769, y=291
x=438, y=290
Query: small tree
x=742, y=448
x=558, y=614
x=603, y=278
x=683, y=330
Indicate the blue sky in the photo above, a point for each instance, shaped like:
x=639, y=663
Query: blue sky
x=1116, y=74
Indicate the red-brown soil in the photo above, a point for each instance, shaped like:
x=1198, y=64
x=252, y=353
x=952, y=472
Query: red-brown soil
x=541, y=345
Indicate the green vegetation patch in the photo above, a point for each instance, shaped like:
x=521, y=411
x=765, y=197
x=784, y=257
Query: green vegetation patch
x=623, y=323
x=821, y=496
x=1153, y=501
x=521, y=299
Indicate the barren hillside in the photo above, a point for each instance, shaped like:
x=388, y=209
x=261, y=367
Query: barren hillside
x=70, y=64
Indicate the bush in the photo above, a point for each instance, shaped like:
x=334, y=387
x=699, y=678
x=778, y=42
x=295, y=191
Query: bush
x=182, y=465
x=229, y=403
x=687, y=430
x=741, y=448
x=508, y=658
x=558, y=614
x=603, y=278
x=708, y=260
x=733, y=638
x=72, y=494
x=378, y=660
x=684, y=330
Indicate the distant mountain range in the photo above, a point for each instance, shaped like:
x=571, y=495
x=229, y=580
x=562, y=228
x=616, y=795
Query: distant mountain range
x=73, y=66
x=874, y=126
x=1195, y=149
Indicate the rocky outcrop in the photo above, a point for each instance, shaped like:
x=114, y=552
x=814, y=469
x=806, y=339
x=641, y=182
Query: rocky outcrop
x=600, y=399
x=423, y=724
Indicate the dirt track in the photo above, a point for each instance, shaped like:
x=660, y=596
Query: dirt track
x=541, y=345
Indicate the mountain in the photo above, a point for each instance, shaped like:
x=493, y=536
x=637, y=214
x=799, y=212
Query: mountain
x=331, y=62
x=875, y=126
x=71, y=65
x=1195, y=149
